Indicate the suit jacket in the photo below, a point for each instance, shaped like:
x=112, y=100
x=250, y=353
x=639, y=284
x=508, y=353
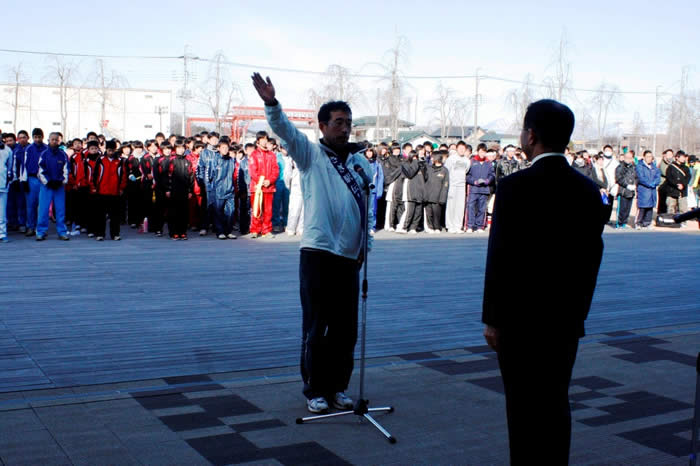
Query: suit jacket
x=545, y=248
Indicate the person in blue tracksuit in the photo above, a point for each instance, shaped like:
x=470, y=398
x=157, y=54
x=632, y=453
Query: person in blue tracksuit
x=16, y=197
x=378, y=182
x=648, y=179
x=32, y=186
x=52, y=173
x=221, y=173
x=280, y=201
x=480, y=177
x=207, y=156
x=6, y=178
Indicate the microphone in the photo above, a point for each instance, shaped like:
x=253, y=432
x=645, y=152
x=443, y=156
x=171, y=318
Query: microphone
x=691, y=215
x=360, y=171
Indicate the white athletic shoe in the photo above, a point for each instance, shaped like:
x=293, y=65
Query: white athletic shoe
x=317, y=405
x=342, y=401
x=401, y=231
x=413, y=232
x=231, y=236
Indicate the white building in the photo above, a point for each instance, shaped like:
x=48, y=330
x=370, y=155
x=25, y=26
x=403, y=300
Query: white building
x=129, y=114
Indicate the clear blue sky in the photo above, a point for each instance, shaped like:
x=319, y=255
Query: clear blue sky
x=636, y=45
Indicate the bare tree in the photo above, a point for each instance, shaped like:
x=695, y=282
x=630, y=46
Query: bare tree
x=443, y=107
x=336, y=84
x=17, y=77
x=62, y=74
x=462, y=114
x=605, y=99
x=517, y=101
x=105, y=81
x=394, y=60
x=219, y=92
x=559, y=83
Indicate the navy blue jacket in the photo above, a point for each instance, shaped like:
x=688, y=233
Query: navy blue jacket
x=481, y=170
x=53, y=166
x=19, y=153
x=221, y=177
x=648, y=179
x=31, y=158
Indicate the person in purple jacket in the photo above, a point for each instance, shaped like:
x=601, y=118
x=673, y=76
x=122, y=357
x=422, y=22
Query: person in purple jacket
x=480, y=177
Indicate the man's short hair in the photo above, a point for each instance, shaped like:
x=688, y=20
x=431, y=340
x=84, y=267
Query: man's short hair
x=260, y=135
x=111, y=144
x=324, y=113
x=214, y=134
x=646, y=152
x=680, y=153
x=552, y=122
x=93, y=143
x=21, y=132
x=37, y=132
x=461, y=143
x=607, y=146
x=408, y=144
x=481, y=146
x=667, y=151
x=199, y=145
x=249, y=145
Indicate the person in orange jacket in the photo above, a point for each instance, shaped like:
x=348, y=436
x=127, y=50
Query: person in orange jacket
x=264, y=171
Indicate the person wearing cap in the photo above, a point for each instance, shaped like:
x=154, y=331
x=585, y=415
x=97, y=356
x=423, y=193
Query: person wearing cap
x=676, y=185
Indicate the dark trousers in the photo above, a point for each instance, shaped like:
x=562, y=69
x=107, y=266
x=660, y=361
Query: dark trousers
x=108, y=205
x=536, y=373
x=381, y=213
x=81, y=198
x=397, y=210
x=329, y=288
x=661, y=207
x=134, y=200
x=204, y=220
x=70, y=207
x=433, y=214
x=158, y=210
x=93, y=214
x=223, y=216
x=623, y=210
x=443, y=210
x=178, y=215
x=645, y=216
x=147, y=205
x=476, y=205
x=243, y=212
x=414, y=216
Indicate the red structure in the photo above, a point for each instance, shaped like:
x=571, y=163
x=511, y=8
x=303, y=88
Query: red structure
x=240, y=118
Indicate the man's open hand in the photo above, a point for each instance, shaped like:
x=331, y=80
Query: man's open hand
x=491, y=334
x=265, y=89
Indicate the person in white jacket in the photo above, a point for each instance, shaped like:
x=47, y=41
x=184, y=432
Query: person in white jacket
x=295, y=222
x=6, y=177
x=331, y=245
x=457, y=164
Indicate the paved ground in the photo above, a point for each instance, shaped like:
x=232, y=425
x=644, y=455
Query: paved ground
x=155, y=352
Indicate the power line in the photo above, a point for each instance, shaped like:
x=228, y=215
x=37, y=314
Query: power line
x=320, y=73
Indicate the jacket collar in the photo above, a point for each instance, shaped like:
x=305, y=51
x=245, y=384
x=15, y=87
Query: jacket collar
x=548, y=154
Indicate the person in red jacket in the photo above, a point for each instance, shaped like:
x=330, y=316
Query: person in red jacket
x=90, y=158
x=264, y=171
x=109, y=182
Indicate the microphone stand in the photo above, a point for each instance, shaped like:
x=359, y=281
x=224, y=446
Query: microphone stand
x=694, y=430
x=362, y=408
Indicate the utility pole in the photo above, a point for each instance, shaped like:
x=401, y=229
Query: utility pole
x=681, y=108
x=656, y=118
x=476, y=107
x=376, y=124
x=185, y=92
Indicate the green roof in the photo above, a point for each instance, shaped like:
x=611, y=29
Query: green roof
x=384, y=122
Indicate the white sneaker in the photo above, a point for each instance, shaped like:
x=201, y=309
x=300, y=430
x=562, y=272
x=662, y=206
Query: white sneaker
x=100, y=238
x=317, y=405
x=401, y=231
x=393, y=230
x=202, y=232
x=413, y=232
x=481, y=230
x=372, y=232
x=231, y=236
x=222, y=236
x=342, y=401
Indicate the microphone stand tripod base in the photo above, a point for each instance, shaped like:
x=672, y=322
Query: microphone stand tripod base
x=363, y=410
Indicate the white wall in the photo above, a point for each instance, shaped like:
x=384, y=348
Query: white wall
x=132, y=113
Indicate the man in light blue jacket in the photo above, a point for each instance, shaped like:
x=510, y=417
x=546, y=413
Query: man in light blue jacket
x=6, y=178
x=331, y=245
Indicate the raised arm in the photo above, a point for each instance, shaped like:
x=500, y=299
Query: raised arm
x=299, y=146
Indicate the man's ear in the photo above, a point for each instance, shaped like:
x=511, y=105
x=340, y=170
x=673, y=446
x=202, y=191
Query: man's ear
x=531, y=138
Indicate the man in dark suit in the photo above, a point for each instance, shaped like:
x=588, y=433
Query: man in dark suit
x=546, y=245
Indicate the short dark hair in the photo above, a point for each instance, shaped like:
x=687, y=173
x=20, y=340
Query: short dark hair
x=37, y=132
x=260, y=134
x=607, y=146
x=668, y=150
x=408, y=144
x=646, y=152
x=199, y=145
x=680, y=152
x=160, y=134
x=214, y=134
x=461, y=143
x=481, y=146
x=552, y=122
x=90, y=133
x=21, y=132
x=111, y=144
x=249, y=145
x=166, y=145
x=137, y=145
x=324, y=113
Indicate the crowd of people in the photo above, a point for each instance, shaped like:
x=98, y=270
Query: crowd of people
x=210, y=184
